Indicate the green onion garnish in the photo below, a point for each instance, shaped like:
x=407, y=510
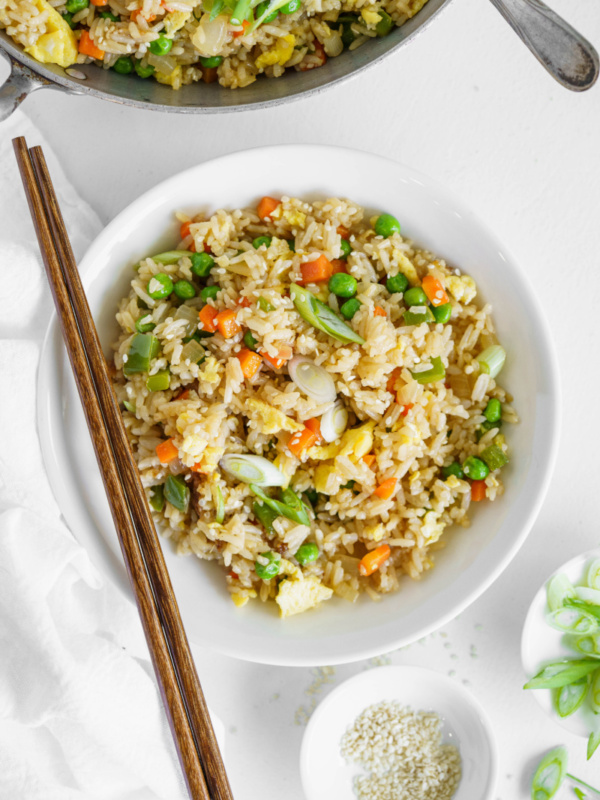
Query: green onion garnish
x=435, y=373
x=321, y=316
x=293, y=509
x=492, y=360
x=219, y=505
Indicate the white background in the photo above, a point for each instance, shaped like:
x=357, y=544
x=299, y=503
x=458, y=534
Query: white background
x=467, y=104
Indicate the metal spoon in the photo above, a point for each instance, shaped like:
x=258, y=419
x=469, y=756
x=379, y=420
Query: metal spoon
x=567, y=56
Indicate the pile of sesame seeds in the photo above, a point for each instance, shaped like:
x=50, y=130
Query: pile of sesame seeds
x=402, y=753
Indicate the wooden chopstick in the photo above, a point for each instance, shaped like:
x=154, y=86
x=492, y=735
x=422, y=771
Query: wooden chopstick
x=182, y=695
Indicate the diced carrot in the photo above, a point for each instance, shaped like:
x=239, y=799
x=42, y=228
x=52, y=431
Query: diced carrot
x=244, y=302
x=343, y=231
x=250, y=362
x=317, y=270
x=434, y=290
x=267, y=206
x=233, y=575
x=184, y=231
x=374, y=560
x=167, y=452
x=386, y=488
x=337, y=265
x=183, y=395
x=315, y=425
x=478, y=490
x=137, y=12
x=391, y=384
x=209, y=74
x=379, y=312
x=99, y=2
x=369, y=459
x=245, y=25
x=198, y=467
x=207, y=315
x=227, y=324
x=406, y=408
x=280, y=359
x=301, y=441
x=88, y=48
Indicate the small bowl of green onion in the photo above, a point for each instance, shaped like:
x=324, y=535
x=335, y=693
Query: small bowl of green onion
x=560, y=648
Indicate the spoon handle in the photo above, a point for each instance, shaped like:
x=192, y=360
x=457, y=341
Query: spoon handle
x=567, y=56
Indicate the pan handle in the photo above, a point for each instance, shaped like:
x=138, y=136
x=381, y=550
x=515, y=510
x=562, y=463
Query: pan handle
x=568, y=57
x=19, y=84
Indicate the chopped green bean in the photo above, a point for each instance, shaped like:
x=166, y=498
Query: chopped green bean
x=159, y=382
x=417, y=318
x=143, y=348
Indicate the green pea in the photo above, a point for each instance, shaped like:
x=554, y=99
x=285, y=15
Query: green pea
x=202, y=263
x=161, y=46
x=493, y=410
x=307, y=553
x=250, y=341
x=159, y=286
x=144, y=71
x=184, y=290
x=415, y=297
x=475, y=469
x=386, y=225
x=292, y=245
x=385, y=24
x=397, y=284
x=123, y=65
x=346, y=249
x=145, y=324
x=109, y=15
x=291, y=6
x=442, y=313
x=260, y=240
x=177, y=492
x=209, y=293
x=270, y=570
x=453, y=469
x=69, y=20
x=260, y=10
x=342, y=285
x=157, y=497
x=211, y=61
x=350, y=308
x=73, y=6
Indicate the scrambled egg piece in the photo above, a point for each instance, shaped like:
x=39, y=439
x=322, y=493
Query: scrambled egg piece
x=432, y=528
x=286, y=465
x=323, y=453
x=210, y=368
x=175, y=20
x=358, y=442
x=296, y=596
x=59, y=44
x=210, y=459
x=171, y=79
x=462, y=287
x=375, y=532
x=280, y=54
x=295, y=217
x=271, y=418
x=405, y=266
x=241, y=599
x=327, y=479
x=370, y=17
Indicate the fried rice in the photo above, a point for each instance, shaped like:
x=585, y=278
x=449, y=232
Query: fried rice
x=190, y=407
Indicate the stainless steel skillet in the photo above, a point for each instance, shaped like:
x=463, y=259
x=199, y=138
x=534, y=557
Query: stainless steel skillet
x=562, y=51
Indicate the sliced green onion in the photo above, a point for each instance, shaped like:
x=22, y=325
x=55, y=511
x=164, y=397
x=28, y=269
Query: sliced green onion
x=271, y=7
x=435, y=373
x=593, y=743
x=159, y=382
x=177, y=492
x=190, y=315
x=492, y=360
x=561, y=673
x=296, y=512
x=240, y=12
x=334, y=422
x=595, y=692
x=321, y=316
x=219, y=505
x=550, y=774
x=573, y=620
x=157, y=497
x=591, y=596
x=252, y=469
x=143, y=348
x=418, y=317
x=569, y=698
x=192, y=351
x=264, y=305
x=217, y=7
x=588, y=645
x=593, y=574
x=171, y=256
x=129, y=406
x=559, y=589
x=265, y=515
x=494, y=457
x=250, y=341
x=590, y=608
x=312, y=379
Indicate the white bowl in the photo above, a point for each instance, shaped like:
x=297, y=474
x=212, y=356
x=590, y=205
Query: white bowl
x=541, y=644
x=326, y=774
x=473, y=558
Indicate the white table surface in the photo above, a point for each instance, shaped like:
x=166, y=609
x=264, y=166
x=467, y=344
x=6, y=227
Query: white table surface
x=467, y=104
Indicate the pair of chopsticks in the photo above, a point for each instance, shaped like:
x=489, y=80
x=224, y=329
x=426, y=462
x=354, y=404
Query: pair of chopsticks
x=167, y=642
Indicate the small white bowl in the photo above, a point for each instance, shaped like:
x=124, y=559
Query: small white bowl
x=326, y=774
x=540, y=644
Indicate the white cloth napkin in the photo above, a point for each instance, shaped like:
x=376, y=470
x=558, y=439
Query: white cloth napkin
x=80, y=716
